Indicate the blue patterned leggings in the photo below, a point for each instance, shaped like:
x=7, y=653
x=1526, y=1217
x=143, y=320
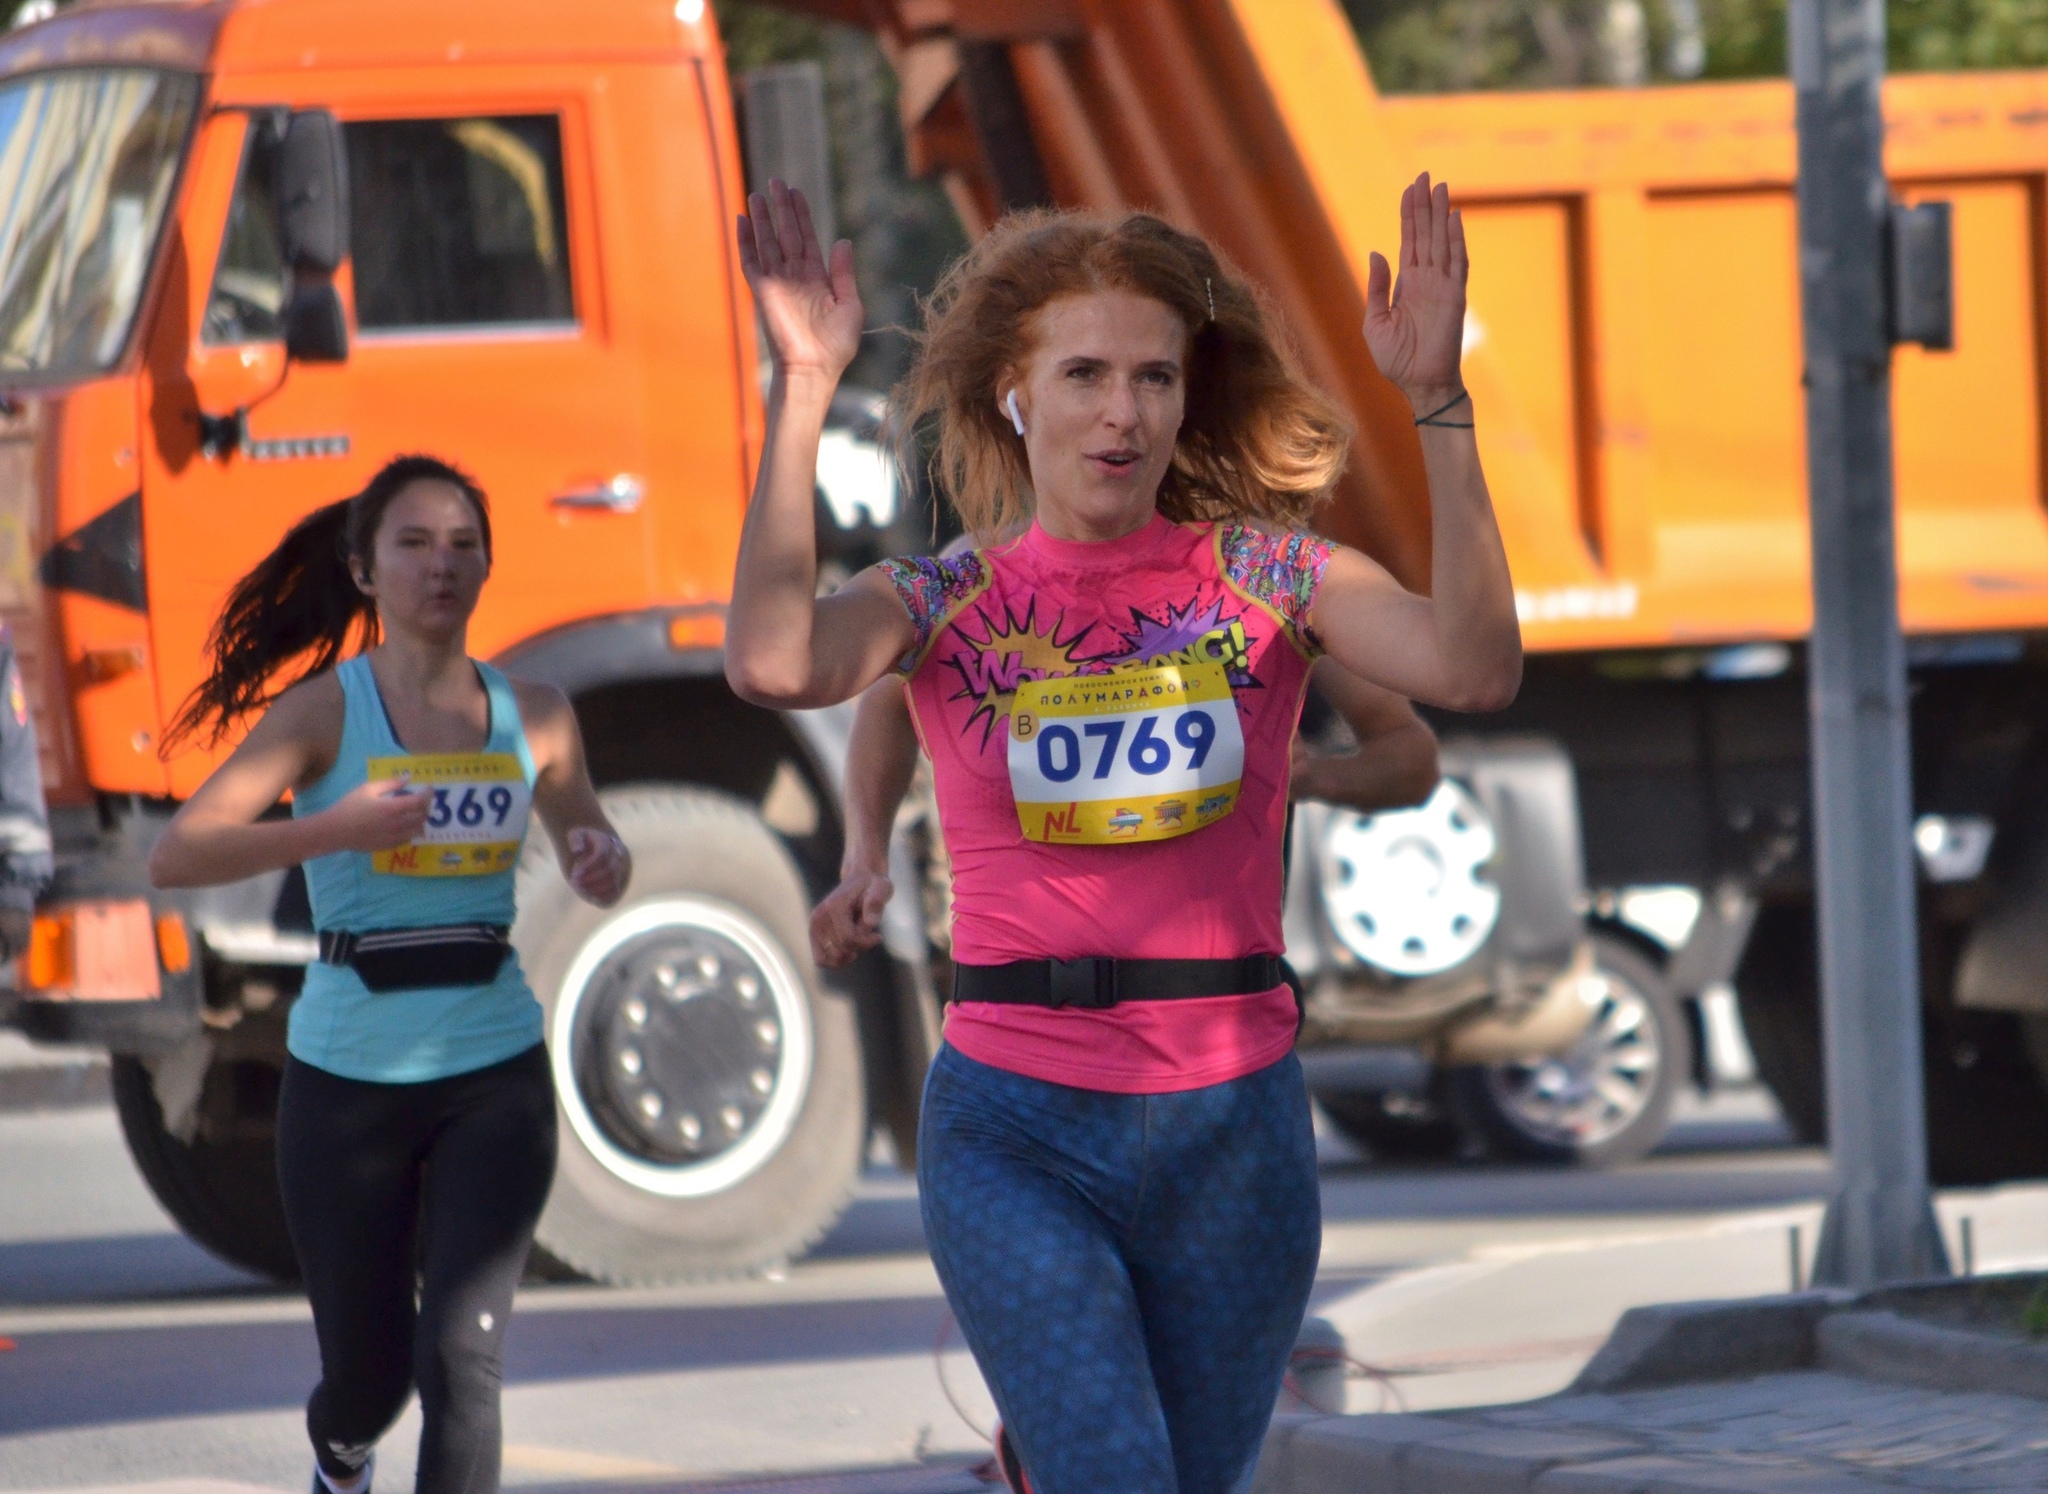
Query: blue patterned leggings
x=1129, y=1270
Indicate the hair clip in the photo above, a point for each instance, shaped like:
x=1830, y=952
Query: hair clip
x=1210, y=286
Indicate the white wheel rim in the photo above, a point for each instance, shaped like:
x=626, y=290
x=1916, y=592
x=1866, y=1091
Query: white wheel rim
x=1406, y=890
x=783, y=988
x=1598, y=1089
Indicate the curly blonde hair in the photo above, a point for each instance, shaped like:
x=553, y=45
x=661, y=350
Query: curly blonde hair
x=1256, y=441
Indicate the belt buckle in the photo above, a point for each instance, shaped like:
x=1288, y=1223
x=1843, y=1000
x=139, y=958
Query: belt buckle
x=1088, y=983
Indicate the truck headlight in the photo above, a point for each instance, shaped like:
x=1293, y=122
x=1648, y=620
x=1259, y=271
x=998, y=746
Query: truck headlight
x=1408, y=890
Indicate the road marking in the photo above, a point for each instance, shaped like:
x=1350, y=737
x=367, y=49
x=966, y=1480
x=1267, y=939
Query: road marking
x=166, y=1486
x=955, y=1480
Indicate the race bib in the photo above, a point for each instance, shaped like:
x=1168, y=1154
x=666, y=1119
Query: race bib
x=1111, y=759
x=478, y=819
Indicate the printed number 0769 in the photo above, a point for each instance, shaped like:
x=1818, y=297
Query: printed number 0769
x=1060, y=752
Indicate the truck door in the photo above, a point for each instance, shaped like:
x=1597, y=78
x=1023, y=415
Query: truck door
x=479, y=337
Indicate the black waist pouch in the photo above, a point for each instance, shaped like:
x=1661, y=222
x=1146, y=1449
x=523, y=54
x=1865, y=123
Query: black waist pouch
x=456, y=954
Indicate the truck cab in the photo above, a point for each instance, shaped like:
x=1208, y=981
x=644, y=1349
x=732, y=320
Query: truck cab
x=249, y=253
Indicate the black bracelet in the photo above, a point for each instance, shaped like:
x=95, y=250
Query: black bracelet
x=1449, y=425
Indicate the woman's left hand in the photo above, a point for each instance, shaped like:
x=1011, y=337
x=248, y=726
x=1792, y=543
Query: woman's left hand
x=599, y=866
x=809, y=302
x=1416, y=327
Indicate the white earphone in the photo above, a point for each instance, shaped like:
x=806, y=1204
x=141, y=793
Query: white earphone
x=1015, y=419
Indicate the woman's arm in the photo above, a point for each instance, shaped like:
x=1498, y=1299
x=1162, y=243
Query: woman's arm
x=593, y=859
x=1395, y=765
x=785, y=646
x=219, y=836
x=1460, y=646
x=881, y=756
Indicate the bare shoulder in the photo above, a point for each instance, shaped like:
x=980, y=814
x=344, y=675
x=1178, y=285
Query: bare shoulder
x=299, y=733
x=549, y=721
x=310, y=711
x=541, y=703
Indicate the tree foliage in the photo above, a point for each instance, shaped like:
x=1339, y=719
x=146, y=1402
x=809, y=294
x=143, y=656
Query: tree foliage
x=1433, y=46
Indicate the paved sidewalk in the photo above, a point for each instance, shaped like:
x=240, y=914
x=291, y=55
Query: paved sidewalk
x=1806, y=1432
x=1927, y=1386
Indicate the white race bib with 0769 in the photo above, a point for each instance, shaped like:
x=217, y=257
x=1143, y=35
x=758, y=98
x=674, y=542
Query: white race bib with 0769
x=478, y=818
x=1111, y=759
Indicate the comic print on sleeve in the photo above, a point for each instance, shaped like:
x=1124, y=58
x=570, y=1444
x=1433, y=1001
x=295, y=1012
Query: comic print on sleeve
x=930, y=588
x=1280, y=572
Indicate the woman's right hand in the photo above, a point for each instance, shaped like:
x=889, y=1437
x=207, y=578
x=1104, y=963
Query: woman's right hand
x=378, y=816
x=1415, y=326
x=808, y=300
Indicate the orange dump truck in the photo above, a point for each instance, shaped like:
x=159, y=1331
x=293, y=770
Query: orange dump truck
x=537, y=282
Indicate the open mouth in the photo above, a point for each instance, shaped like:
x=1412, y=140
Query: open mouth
x=1116, y=461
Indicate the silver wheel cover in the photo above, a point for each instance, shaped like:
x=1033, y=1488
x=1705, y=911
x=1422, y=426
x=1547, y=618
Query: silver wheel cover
x=780, y=990
x=1406, y=889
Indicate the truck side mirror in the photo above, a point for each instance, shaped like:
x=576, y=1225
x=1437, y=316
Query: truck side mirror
x=313, y=224
x=315, y=328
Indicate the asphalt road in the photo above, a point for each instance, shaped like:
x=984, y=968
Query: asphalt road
x=132, y=1357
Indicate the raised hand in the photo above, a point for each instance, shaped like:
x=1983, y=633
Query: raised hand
x=808, y=301
x=379, y=815
x=1416, y=334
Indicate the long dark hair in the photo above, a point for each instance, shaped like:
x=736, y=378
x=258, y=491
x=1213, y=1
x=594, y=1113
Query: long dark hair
x=302, y=600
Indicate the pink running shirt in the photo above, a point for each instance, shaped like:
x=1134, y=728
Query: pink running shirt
x=1042, y=608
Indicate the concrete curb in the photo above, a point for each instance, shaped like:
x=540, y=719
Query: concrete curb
x=1675, y=1343
x=1885, y=1346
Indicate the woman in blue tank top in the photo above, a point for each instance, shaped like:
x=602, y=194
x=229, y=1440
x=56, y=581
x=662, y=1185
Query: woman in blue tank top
x=416, y=1127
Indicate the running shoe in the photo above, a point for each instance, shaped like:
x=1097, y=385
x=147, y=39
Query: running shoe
x=321, y=1486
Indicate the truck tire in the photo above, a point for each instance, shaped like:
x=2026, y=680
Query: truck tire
x=1430, y=1134
x=1987, y=1104
x=1777, y=987
x=1608, y=1101
x=709, y=1089
x=223, y=1194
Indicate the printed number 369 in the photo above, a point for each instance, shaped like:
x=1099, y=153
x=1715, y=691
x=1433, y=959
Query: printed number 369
x=469, y=810
x=1060, y=752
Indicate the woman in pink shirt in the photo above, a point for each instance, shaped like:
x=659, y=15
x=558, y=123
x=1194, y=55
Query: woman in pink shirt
x=1116, y=1167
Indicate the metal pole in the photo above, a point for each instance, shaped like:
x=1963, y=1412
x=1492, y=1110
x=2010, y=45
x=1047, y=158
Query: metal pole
x=1880, y=1219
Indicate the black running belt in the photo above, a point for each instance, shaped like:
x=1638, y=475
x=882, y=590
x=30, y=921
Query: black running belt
x=449, y=954
x=1097, y=984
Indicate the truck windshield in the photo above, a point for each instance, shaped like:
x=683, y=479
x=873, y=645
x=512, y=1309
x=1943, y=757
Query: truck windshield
x=87, y=162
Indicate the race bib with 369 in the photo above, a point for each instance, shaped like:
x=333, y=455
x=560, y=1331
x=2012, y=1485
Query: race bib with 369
x=1111, y=759
x=478, y=818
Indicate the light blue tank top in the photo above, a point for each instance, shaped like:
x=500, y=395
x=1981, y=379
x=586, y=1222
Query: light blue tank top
x=406, y=1037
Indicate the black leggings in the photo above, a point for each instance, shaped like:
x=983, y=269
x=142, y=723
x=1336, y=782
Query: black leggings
x=392, y=1187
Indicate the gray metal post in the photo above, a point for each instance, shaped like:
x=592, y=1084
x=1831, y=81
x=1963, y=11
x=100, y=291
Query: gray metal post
x=783, y=112
x=1880, y=1220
